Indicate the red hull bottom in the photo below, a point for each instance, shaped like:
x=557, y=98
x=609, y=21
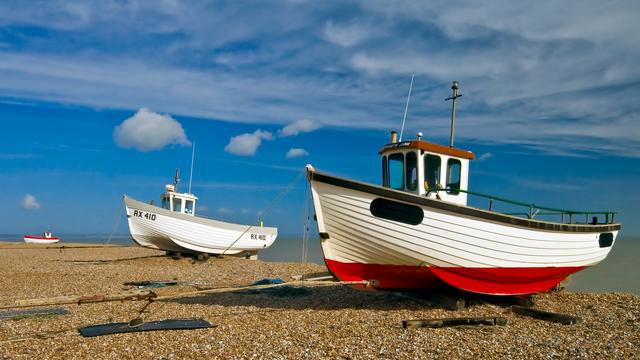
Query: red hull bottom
x=494, y=281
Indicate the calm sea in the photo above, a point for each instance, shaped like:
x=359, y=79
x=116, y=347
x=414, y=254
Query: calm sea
x=618, y=272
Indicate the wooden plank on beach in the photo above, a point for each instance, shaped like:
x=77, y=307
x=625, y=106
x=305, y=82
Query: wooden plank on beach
x=83, y=299
x=546, y=315
x=450, y=322
x=13, y=314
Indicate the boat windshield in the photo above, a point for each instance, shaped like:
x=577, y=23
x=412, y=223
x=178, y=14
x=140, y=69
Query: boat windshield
x=188, y=207
x=412, y=171
x=177, y=205
x=453, y=176
x=396, y=171
x=431, y=171
x=165, y=203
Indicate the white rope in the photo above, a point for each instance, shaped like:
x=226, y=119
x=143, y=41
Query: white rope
x=305, y=230
x=268, y=208
x=117, y=222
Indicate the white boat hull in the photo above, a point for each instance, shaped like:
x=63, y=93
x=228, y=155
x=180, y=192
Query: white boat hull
x=468, y=248
x=158, y=228
x=40, y=240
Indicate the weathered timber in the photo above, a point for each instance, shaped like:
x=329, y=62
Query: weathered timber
x=258, y=287
x=15, y=314
x=83, y=299
x=564, y=319
x=450, y=322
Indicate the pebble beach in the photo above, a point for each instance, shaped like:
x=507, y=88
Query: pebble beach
x=295, y=322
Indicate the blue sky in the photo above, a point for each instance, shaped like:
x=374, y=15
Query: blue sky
x=550, y=101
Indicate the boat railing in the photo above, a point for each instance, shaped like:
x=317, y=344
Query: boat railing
x=533, y=209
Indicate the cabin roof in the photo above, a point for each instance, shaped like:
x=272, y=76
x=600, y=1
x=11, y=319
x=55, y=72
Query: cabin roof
x=179, y=195
x=427, y=146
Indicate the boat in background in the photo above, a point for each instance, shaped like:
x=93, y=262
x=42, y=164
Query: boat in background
x=45, y=238
x=417, y=231
x=175, y=228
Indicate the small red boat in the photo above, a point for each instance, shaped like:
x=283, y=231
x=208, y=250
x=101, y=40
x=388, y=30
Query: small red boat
x=45, y=238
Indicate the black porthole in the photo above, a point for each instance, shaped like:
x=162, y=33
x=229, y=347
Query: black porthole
x=396, y=211
x=605, y=240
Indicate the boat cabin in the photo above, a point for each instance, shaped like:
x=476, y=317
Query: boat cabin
x=179, y=202
x=426, y=169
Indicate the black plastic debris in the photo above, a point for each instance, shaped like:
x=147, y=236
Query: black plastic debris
x=118, y=328
x=151, y=284
x=14, y=314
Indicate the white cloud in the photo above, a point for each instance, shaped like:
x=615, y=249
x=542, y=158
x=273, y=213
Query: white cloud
x=485, y=156
x=346, y=35
x=296, y=152
x=300, y=126
x=225, y=211
x=247, y=144
x=202, y=208
x=245, y=210
x=515, y=61
x=148, y=131
x=29, y=202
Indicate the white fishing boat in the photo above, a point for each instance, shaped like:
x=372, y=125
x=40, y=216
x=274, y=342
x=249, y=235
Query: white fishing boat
x=417, y=231
x=174, y=227
x=46, y=238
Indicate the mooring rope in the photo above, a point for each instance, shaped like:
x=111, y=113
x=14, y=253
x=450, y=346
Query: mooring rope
x=278, y=197
x=117, y=222
x=305, y=230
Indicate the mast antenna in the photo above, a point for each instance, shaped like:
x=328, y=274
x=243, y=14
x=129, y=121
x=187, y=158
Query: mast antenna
x=193, y=152
x=455, y=95
x=406, y=107
x=176, y=179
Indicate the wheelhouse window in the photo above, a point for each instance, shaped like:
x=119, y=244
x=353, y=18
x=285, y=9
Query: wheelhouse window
x=177, y=205
x=431, y=171
x=412, y=171
x=188, y=207
x=385, y=172
x=453, y=176
x=396, y=171
x=165, y=203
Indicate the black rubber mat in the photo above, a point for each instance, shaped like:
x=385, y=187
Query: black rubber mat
x=171, y=324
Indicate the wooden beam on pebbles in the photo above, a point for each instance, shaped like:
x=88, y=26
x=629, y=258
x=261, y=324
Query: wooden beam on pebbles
x=451, y=322
x=84, y=299
x=546, y=315
x=149, y=295
x=258, y=287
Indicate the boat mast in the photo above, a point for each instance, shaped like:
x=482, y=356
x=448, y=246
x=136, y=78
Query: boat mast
x=176, y=179
x=453, y=109
x=193, y=152
x=406, y=107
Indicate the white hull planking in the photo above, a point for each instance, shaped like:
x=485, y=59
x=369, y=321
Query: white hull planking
x=170, y=231
x=443, y=239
